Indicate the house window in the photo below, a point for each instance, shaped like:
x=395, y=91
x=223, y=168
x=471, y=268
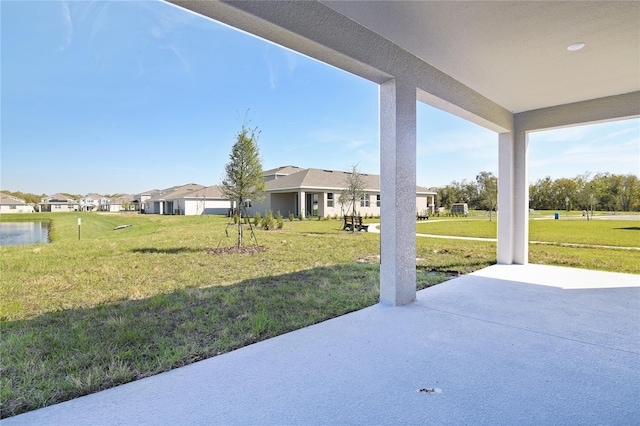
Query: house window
x=57, y=206
x=329, y=199
x=378, y=200
x=247, y=204
x=13, y=207
x=364, y=201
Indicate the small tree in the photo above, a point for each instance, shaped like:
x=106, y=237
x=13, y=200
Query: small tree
x=488, y=190
x=353, y=192
x=243, y=179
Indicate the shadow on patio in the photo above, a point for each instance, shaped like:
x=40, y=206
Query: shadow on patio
x=505, y=345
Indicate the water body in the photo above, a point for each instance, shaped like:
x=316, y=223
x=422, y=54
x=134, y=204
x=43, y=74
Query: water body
x=21, y=233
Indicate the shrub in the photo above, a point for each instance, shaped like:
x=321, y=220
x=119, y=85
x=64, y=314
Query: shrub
x=268, y=222
x=235, y=218
x=279, y=220
x=291, y=217
x=256, y=219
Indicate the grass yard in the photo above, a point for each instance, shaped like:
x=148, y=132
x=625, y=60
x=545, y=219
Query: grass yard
x=118, y=305
x=621, y=233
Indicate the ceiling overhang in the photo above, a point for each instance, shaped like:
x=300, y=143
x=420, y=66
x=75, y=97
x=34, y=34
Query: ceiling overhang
x=488, y=62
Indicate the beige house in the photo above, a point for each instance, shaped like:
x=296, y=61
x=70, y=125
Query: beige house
x=10, y=204
x=316, y=193
x=166, y=201
x=58, y=203
x=190, y=199
x=117, y=204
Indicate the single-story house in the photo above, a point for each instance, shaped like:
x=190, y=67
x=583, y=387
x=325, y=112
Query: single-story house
x=118, y=204
x=207, y=200
x=11, y=204
x=58, y=203
x=316, y=193
x=191, y=199
x=167, y=201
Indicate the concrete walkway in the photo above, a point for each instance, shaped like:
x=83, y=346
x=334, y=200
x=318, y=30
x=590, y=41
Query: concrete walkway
x=374, y=229
x=504, y=345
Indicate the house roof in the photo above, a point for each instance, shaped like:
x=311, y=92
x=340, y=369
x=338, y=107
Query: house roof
x=325, y=179
x=176, y=192
x=10, y=200
x=212, y=191
x=121, y=200
x=93, y=195
x=58, y=198
x=282, y=170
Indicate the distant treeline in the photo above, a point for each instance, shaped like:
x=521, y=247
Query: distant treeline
x=604, y=191
x=27, y=197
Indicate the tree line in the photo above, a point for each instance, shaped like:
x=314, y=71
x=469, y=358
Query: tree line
x=603, y=191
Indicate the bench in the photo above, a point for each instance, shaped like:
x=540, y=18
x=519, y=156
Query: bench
x=354, y=222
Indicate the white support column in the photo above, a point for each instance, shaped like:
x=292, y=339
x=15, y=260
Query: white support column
x=505, y=198
x=521, y=198
x=398, y=193
x=513, y=198
x=302, y=204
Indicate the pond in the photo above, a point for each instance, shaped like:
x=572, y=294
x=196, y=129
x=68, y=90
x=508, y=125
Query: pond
x=21, y=233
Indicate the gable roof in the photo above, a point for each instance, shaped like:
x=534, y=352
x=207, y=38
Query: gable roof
x=281, y=171
x=125, y=199
x=212, y=191
x=176, y=192
x=58, y=198
x=10, y=200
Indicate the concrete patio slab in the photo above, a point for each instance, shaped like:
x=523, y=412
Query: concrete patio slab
x=505, y=345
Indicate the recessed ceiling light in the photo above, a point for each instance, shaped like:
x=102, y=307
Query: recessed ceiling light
x=576, y=46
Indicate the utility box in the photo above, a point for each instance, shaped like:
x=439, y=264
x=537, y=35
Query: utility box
x=556, y=216
x=460, y=208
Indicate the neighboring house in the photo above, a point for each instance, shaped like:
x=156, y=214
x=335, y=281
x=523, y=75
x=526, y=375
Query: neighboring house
x=118, y=204
x=91, y=202
x=139, y=200
x=10, y=204
x=207, y=200
x=168, y=200
x=316, y=192
x=58, y=203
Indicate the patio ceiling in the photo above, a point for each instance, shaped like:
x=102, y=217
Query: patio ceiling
x=483, y=61
x=515, y=52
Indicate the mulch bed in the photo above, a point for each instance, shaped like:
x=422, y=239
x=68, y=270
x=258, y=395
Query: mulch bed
x=237, y=250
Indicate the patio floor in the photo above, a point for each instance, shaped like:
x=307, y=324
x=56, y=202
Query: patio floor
x=505, y=345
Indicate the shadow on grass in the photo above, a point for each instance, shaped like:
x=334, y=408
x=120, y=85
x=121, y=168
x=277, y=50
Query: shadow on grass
x=66, y=354
x=175, y=250
x=631, y=228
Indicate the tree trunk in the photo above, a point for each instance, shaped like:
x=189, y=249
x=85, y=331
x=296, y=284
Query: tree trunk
x=240, y=224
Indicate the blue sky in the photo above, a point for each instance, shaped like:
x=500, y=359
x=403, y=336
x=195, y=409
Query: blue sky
x=129, y=96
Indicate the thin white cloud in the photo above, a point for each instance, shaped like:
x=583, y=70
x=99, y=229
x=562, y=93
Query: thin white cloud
x=186, y=66
x=457, y=142
x=566, y=134
x=279, y=62
x=68, y=24
x=99, y=23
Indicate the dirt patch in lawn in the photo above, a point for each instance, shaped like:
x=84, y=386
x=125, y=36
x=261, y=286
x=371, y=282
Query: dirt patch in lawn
x=237, y=250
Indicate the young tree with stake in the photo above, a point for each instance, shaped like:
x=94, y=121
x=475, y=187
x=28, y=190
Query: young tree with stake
x=243, y=179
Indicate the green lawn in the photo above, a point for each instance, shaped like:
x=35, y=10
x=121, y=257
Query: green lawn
x=80, y=316
x=621, y=233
